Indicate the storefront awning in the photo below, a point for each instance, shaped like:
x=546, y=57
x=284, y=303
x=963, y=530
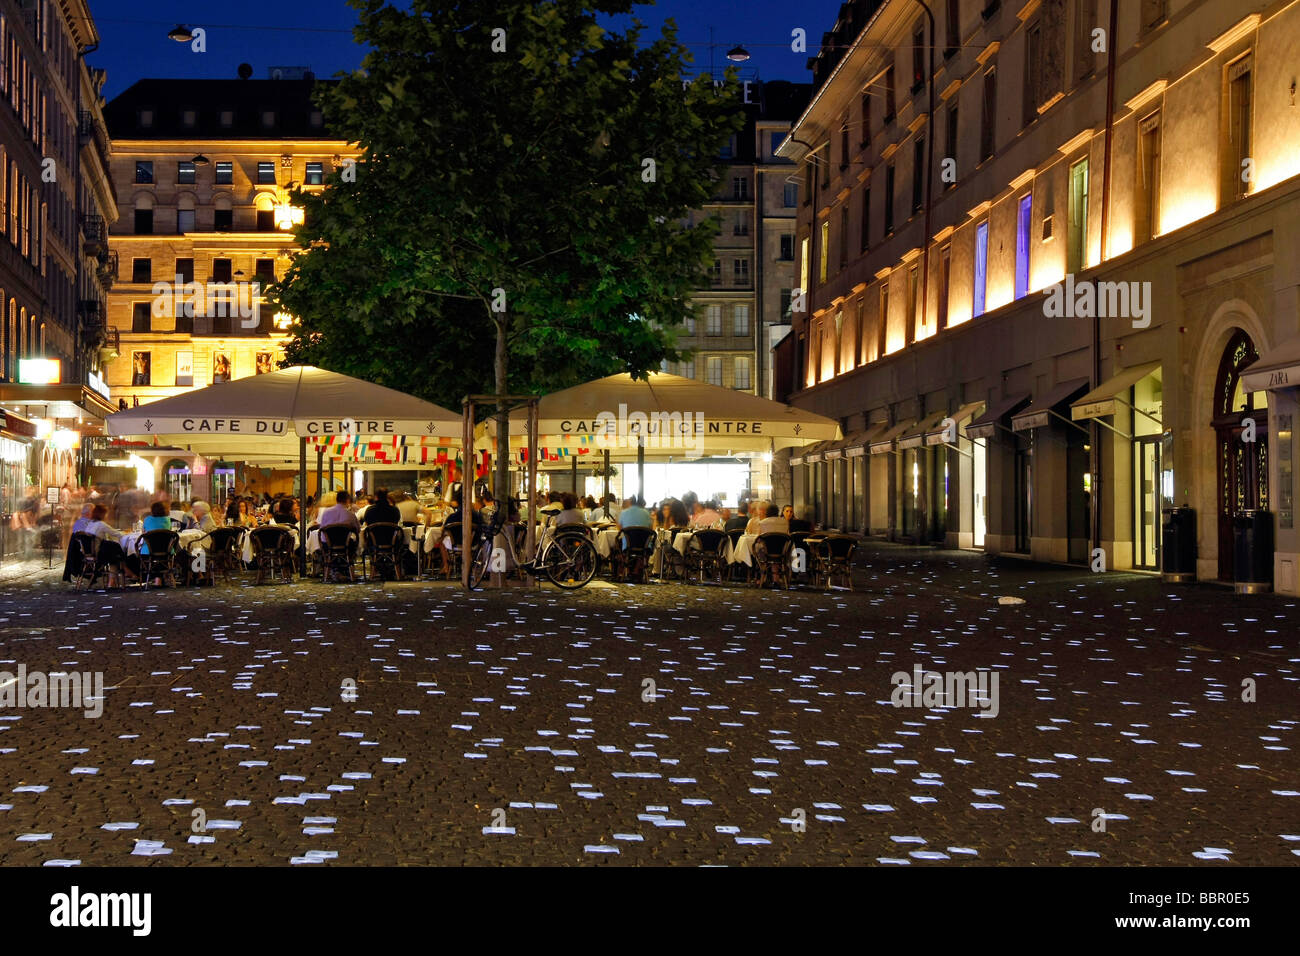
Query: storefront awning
x=986, y=424
x=884, y=442
x=66, y=400
x=939, y=435
x=1106, y=397
x=1040, y=411
x=815, y=453
x=1277, y=368
x=914, y=437
x=855, y=446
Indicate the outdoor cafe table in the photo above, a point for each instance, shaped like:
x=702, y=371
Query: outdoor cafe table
x=744, y=550
x=190, y=540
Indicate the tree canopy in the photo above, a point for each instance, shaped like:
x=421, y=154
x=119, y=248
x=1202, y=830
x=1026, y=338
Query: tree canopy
x=520, y=217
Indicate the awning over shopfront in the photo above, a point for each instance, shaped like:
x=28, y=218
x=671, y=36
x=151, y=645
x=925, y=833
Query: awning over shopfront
x=986, y=424
x=1277, y=368
x=939, y=435
x=856, y=445
x=914, y=437
x=884, y=442
x=815, y=453
x=1107, y=397
x=1044, y=406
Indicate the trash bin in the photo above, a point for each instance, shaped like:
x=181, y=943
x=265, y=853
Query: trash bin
x=1178, y=546
x=1252, y=552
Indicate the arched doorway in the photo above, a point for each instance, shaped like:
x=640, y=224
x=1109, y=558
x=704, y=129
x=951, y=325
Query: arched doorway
x=180, y=485
x=1241, y=475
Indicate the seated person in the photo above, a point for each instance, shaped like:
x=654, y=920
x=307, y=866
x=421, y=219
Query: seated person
x=554, y=505
x=570, y=513
x=284, y=512
x=804, y=523
x=486, y=506
x=410, y=508
x=201, y=512
x=381, y=510
x=772, y=522
x=158, y=518
x=340, y=513
x=706, y=515
x=79, y=525
x=758, y=512
x=110, y=551
x=738, y=521
x=633, y=515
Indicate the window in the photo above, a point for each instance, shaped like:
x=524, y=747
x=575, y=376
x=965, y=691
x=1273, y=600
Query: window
x=741, y=228
x=1024, y=216
x=266, y=174
x=141, y=270
x=143, y=222
x=1146, y=202
x=913, y=318
x=989, y=114
x=220, y=270
x=264, y=269
x=316, y=118
x=315, y=174
x=184, y=220
x=1077, y=227
x=225, y=174
x=717, y=272
x=686, y=368
x=826, y=166
x=146, y=117
x=844, y=235
x=227, y=118
x=690, y=325
x=790, y=198
x=822, y=251
x=889, y=199
x=740, y=271
x=144, y=172
x=918, y=173
x=918, y=58
x=740, y=187
x=729, y=149
x=713, y=373
x=952, y=29
x=268, y=118
x=981, y=268
x=804, y=263
x=776, y=140
x=882, y=320
x=951, y=138
x=266, y=220
x=786, y=296
x=844, y=142
x=787, y=247
x=141, y=321
x=188, y=118
x=184, y=270
x=889, y=95
x=1033, y=71
x=1153, y=14
x=223, y=220
x=740, y=321
x=1086, y=21
x=866, y=117
x=740, y=376
x=713, y=320
x=866, y=218
x=1239, y=95
x=945, y=261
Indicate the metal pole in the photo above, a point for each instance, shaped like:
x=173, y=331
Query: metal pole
x=606, y=472
x=331, y=472
x=302, y=504
x=573, y=467
x=640, y=467
x=320, y=458
x=466, y=488
x=530, y=539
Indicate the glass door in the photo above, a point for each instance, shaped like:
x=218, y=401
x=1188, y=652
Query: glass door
x=1146, y=486
x=979, y=492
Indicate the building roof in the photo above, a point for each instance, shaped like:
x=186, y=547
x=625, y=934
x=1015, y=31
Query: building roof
x=290, y=100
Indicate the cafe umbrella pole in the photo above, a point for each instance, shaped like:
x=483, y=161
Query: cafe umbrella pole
x=466, y=486
x=302, y=504
x=606, y=469
x=640, y=469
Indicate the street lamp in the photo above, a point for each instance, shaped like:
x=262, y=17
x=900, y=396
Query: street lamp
x=200, y=160
x=180, y=33
x=738, y=54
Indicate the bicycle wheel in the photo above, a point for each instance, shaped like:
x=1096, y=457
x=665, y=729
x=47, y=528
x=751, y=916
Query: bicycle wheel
x=482, y=561
x=571, y=562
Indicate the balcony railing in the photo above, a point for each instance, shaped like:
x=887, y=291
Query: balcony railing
x=94, y=235
x=107, y=271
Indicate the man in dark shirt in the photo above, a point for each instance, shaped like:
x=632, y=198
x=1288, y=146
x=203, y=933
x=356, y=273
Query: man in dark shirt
x=738, y=521
x=382, y=510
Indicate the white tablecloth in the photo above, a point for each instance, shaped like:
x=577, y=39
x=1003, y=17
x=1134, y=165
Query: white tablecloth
x=743, y=552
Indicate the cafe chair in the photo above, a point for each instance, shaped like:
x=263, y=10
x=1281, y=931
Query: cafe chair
x=832, y=557
x=382, y=545
x=92, y=568
x=705, y=554
x=631, y=555
x=158, y=552
x=337, y=552
x=771, y=556
x=272, y=552
x=224, y=551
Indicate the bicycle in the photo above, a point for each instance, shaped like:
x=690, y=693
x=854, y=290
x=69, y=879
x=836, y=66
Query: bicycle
x=567, y=558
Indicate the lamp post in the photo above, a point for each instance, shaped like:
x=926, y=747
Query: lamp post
x=929, y=169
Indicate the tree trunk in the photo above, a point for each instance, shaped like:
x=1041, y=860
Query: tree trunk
x=500, y=366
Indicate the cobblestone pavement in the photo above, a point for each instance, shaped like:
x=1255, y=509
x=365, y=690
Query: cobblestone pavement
x=519, y=727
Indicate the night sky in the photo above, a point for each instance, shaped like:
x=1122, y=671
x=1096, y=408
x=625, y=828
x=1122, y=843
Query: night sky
x=134, y=42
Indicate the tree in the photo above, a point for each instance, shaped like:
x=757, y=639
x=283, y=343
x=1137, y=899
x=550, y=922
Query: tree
x=520, y=217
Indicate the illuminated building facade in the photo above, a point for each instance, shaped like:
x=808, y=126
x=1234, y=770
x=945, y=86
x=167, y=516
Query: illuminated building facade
x=1054, y=342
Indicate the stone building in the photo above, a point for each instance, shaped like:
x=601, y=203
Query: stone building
x=1086, y=312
